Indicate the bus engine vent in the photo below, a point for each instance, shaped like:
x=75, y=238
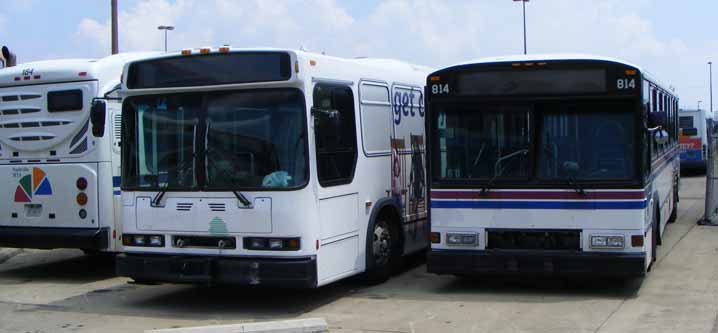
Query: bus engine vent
x=184, y=206
x=549, y=240
x=217, y=207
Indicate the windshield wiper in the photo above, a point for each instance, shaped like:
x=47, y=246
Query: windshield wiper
x=157, y=199
x=577, y=187
x=242, y=199
x=497, y=166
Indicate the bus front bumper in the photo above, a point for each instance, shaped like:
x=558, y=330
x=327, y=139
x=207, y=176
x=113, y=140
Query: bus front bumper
x=277, y=272
x=497, y=262
x=54, y=238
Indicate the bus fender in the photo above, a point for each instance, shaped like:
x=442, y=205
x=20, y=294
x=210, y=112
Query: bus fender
x=380, y=206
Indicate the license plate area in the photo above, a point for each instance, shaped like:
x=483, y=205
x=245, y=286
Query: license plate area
x=548, y=240
x=33, y=210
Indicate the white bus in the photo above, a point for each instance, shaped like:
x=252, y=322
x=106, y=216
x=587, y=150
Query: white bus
x=60, y=169
x=558, y=164
x=692, y=138
x=272, y=167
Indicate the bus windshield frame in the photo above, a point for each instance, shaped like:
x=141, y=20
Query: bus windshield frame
x=517, y=161
x=213, y=137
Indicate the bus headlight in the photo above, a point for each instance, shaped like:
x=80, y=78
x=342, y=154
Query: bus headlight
x=454, y=238
x=143, y=240
x=607, y=242
x=271, y=244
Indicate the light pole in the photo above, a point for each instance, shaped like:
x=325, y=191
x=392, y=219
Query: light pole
x=710, y=75
x=166, y=28
x=523, y=3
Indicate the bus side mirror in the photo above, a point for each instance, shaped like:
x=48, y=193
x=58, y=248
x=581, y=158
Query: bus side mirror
x=97, y=117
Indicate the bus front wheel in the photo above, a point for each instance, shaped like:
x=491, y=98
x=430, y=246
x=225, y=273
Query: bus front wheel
x=381, y=251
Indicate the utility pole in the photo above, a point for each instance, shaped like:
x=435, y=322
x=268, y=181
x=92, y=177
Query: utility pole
x=115, y=44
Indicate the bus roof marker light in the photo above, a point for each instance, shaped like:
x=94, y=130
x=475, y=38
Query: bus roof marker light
x=516, y=64
x=542, y=64
x=204, y=50
x=296, y=66
x=435, y=78
x=82, y=74
x=186, y=52
x=631, y=72
x=312, y=62
x=224, y=49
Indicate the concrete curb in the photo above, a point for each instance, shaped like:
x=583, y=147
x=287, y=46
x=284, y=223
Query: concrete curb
x=309, y=325
x=6, y=254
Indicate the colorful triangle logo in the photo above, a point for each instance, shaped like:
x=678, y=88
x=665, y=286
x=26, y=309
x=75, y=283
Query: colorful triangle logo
x=20, y=195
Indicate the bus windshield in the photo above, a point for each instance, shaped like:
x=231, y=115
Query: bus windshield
x=483, y=142
x=583, y=142
x=252, y=139
x=575, y=141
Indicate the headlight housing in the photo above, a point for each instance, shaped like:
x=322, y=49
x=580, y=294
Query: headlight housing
x=607, y=242
x=271, y=243
x=462, y=239
x=143, y=240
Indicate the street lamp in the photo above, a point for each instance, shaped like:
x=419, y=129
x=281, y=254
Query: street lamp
x=710, y=75
x=523, y=3
x=165, y=28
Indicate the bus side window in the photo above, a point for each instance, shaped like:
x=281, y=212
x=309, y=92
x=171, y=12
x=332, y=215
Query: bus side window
x=335, y=134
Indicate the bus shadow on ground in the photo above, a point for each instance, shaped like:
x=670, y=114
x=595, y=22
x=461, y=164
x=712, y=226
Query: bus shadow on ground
x=219, y=302
x=76, y=269
x=204, y=302
x=548, y=286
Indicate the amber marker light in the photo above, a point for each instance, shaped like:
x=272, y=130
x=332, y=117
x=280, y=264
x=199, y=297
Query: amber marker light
x=204, y=50
x=630, y=72
x=82, y=199
x=435, y=78
x=435, y=237
x=224, y=49
x=186, y=52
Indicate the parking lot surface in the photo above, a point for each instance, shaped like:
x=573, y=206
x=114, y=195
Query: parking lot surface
x=65, y=291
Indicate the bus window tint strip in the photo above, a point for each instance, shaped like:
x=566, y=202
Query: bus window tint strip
x=212, y=69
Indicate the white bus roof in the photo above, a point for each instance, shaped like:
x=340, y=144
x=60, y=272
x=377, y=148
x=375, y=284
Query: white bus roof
x=379, y=64
x=62, y=70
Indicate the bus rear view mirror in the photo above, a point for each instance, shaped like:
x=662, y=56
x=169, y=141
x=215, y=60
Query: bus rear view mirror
x=97, y=117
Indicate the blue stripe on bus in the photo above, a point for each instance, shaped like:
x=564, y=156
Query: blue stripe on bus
x=116, y=180
x=487, y=204
x=692, y=155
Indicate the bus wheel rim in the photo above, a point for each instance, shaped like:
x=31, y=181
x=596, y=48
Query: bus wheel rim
x=382, y=244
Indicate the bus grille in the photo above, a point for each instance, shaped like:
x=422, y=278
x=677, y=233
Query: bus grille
x=549, y=240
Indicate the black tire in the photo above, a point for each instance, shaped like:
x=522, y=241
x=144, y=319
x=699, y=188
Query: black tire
x=381, y=251
x=674, y=212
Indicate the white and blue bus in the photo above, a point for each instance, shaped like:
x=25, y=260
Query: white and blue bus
x=692, y=138
x=557, y=164
x=272, y=167
x=60, y=167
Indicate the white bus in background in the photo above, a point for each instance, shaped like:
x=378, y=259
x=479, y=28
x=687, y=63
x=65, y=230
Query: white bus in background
x=692, y=138
x=556, y=164
x=60, y=169
x=272, y=167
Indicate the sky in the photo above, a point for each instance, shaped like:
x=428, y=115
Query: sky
x=674, y=40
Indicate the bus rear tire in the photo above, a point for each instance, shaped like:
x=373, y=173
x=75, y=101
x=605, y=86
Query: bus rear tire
x=381, y=251
x=674, y=212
